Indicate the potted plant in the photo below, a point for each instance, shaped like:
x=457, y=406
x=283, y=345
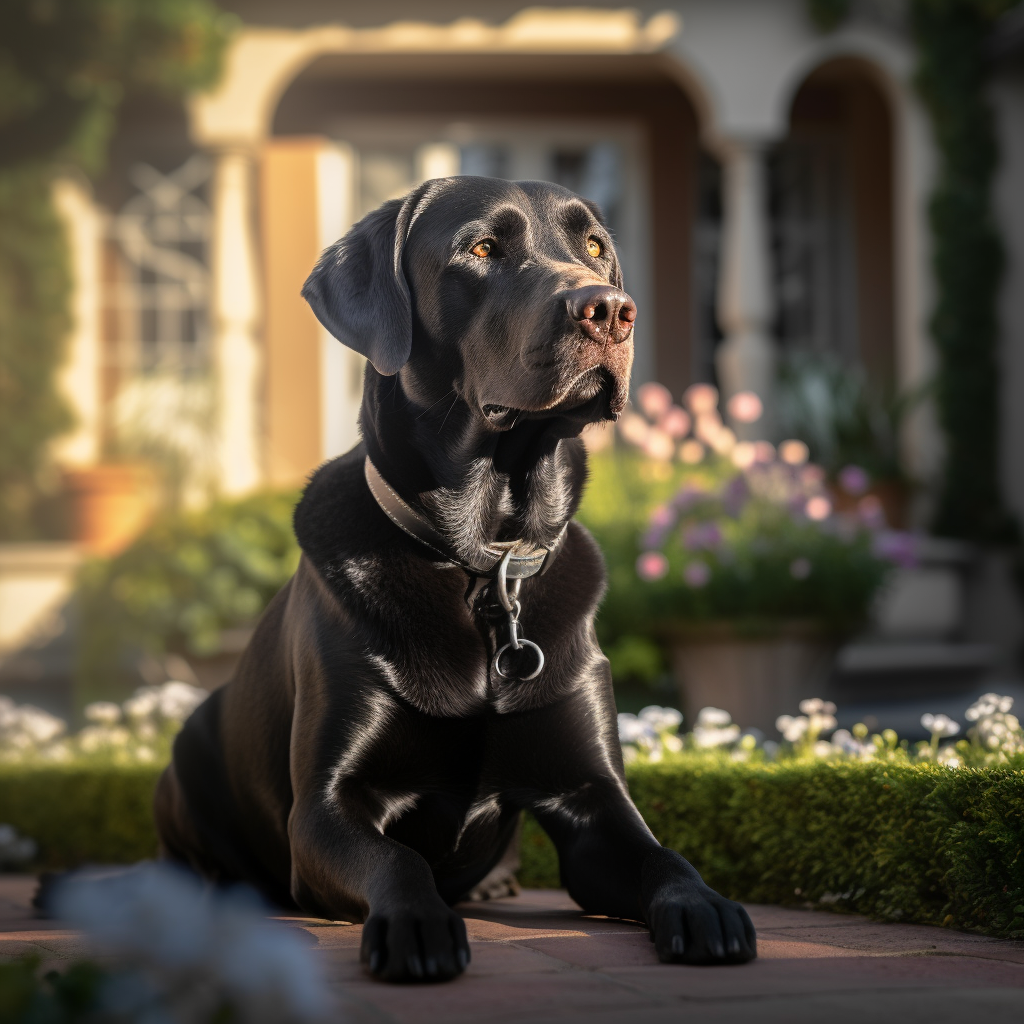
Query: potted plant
x=732, y=555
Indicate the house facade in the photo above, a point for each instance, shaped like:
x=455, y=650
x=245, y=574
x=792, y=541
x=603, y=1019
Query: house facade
x=767, y=184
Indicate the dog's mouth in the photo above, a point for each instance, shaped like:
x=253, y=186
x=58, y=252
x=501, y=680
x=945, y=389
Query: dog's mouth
x=591, y=397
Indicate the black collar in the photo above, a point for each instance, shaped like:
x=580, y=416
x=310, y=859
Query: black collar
x=524, y=559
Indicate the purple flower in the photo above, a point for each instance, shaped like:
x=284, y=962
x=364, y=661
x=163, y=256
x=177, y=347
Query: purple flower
x=661, y=521
x=687, y=496
x=735, y=495
x=702, y=535
x=697, y=574
x=896, y=546
x=854, y=480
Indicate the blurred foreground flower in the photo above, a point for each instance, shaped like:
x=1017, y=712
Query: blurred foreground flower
x=188, y=954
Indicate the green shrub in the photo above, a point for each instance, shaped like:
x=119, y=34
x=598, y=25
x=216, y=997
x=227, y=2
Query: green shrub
x=185, y=581
x=78, y=814
x=918, y=842
x=911, y=842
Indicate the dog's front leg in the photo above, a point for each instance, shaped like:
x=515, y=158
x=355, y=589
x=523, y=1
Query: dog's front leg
x=611, y=864
x=345, y=868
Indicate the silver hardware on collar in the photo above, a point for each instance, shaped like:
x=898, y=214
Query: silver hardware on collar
x=510, y=602
x=514, y=560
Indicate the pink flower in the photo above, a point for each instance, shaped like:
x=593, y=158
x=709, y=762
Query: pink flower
x=818, y=508
x=651, y=565
x=794, y=452
x=745, y=407
x=697, y=574
x=701, y=398
x=676, y=422
x=654, y=399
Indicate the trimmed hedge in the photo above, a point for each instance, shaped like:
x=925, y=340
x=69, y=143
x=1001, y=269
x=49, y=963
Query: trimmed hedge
x=80, y=814
x=903, y=842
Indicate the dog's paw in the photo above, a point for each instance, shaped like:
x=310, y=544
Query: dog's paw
x=415, y=944
x=701, y=929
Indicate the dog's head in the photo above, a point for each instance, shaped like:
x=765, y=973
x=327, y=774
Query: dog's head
x=508, y=292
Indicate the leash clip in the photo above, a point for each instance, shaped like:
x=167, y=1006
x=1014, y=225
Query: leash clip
x=510, y=602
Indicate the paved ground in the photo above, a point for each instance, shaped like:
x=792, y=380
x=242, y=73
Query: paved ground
x=537, y=960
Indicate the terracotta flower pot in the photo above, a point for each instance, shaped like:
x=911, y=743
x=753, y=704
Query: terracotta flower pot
x=110, y=505
x=755, y=678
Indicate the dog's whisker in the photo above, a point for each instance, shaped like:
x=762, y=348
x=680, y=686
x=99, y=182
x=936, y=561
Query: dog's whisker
x=420, y=415
x=448, y=413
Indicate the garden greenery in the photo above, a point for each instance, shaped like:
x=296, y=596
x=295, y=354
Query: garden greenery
x=698, y=527
x=186, y=580
x=952, y=78
x=924, y=832
x=953, y=65
x=65, y=66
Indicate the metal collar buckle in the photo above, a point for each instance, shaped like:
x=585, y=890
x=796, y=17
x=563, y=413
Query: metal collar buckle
x=510, y=602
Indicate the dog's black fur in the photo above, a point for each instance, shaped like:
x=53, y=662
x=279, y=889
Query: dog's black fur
x=365, y=763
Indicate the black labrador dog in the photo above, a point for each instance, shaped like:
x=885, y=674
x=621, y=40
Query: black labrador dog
x=432, y=669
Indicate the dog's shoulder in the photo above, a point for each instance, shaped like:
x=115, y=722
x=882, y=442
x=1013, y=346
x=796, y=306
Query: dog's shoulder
x=336, y=516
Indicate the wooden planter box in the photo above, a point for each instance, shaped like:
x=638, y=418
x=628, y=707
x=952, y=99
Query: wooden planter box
x=755, y=678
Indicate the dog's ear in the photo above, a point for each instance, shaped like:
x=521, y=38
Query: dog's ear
x=358, y=289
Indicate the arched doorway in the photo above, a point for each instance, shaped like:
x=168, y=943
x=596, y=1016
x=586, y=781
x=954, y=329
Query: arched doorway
x=831, y=198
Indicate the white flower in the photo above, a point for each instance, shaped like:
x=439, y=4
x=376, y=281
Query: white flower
x=141, y=704
x=940, y=725
x=660, y=718
x=715, y=736
x=792, y=729
x=103, y=712
x=989, y=704
x=192, y=944
x=37, y=725
x=630, y=728
x=816, y=706
x=713, y=717
x=177, y=701
x=174, y=702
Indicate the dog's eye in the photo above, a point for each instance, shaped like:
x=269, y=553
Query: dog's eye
x=594, y=247
x=482, y=249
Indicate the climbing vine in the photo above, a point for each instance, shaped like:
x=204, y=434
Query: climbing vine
x=952, y=73
x=967, y=255
x=65, y=66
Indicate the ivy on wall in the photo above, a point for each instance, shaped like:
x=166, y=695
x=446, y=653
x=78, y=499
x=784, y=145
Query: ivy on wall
x=967, y=256
x=967, y=259
x=65, y=66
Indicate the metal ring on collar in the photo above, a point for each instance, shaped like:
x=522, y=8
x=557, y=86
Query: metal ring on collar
x=496, y=663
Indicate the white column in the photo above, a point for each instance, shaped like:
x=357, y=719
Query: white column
x=236, y=355
x=341, y=369
x=746, y=358
x=79, y=377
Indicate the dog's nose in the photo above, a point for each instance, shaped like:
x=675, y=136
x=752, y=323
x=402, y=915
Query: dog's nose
x=604, y=313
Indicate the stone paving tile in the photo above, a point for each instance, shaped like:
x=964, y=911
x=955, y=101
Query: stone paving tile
x=537, y=960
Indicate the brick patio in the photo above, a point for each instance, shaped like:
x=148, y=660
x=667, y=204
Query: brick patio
x=536, y=960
